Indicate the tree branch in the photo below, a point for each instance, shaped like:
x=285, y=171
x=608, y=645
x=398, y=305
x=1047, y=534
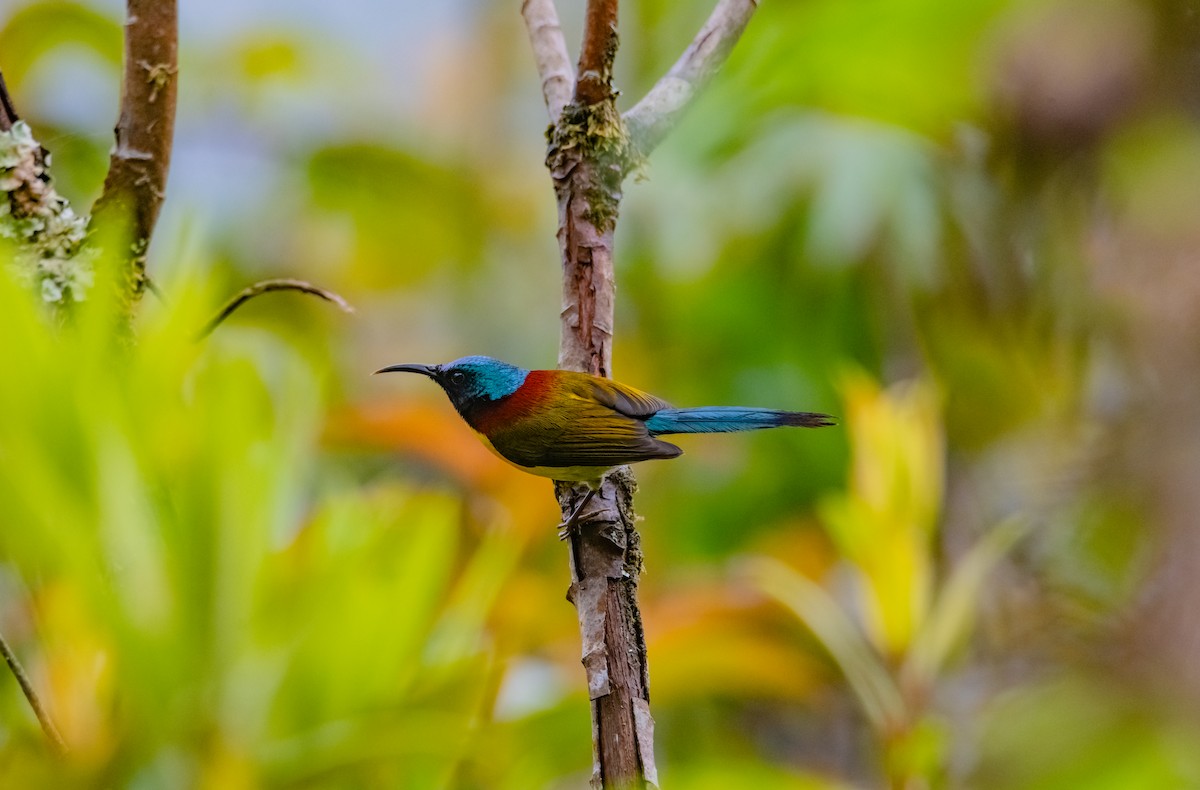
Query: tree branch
x=48, y=727
x=47, y=232
x=267, y=286
x=606, y=561
x=550, y=52
x=598, y=52
x=587, y=159
x=656, y=114
x=589, y=155
x=8, y=113
x=137, y=172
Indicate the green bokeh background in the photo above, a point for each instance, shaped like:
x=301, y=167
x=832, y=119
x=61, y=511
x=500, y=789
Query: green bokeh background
x=967, y=228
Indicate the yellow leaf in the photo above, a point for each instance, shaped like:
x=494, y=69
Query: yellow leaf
x=884, y=523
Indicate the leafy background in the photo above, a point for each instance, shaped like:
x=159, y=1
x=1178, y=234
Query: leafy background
x=967, y=228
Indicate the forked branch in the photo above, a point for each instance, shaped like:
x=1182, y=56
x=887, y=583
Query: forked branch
x=656, y=114
x=588, y=157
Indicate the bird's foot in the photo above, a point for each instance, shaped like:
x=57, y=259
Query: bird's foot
x=571, y=522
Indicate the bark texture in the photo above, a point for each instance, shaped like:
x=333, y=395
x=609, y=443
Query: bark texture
x=137, y=171
x=606, y=560
x=587, y=159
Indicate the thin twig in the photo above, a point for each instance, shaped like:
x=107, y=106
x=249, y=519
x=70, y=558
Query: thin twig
x=153, y=288
x=597, y=53
x=264, y=287
x=550, y=52
x=48, y=727
x=652, y=118
x=8, y=113
x=137, y=170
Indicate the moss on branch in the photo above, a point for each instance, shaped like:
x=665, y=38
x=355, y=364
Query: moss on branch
x=596, y=134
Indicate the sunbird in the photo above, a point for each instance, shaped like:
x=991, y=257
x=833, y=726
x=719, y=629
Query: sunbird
x=577, y=427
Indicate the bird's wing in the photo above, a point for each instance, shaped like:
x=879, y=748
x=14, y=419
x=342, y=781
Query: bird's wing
x=622, y=399
x=594, y=422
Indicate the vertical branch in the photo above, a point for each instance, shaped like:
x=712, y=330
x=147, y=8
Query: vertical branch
x=598, y=52
x=587, y=159
x=137, y=172
x=606, y=561
x=587, y=205
x=589, y=154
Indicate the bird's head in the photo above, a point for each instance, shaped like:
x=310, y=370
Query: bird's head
x=469, y=381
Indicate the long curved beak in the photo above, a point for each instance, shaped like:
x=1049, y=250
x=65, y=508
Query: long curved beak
x=424, y=370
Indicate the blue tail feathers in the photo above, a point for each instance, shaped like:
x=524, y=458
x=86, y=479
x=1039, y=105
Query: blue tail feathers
x=726, y=419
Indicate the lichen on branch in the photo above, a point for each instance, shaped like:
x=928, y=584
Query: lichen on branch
x=45, y=233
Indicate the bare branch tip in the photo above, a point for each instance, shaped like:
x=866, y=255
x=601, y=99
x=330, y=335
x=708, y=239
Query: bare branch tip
x=266, y=286
x=659, y=110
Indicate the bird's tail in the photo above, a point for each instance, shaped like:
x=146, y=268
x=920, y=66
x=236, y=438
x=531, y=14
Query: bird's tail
x=726, y=419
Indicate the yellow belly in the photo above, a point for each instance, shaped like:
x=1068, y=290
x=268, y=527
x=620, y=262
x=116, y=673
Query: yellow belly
x=572, y=474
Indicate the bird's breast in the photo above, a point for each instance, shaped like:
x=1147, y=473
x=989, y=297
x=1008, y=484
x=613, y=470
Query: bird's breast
x=518, y=426
x=574, y=474
x=527, y=402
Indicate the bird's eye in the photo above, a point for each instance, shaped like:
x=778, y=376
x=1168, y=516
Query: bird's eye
x=458, y=377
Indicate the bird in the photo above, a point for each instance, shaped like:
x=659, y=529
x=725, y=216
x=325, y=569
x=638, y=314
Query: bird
x=577, y=427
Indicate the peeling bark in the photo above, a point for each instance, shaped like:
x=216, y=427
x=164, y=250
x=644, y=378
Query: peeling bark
x=606, y=560
x=588, y=282
x=588, y=158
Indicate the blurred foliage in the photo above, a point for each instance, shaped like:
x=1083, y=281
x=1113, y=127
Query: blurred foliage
x=201, y=612
x=883, y=526
x=884, y=523
x=36, y=29
x=245, y=562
